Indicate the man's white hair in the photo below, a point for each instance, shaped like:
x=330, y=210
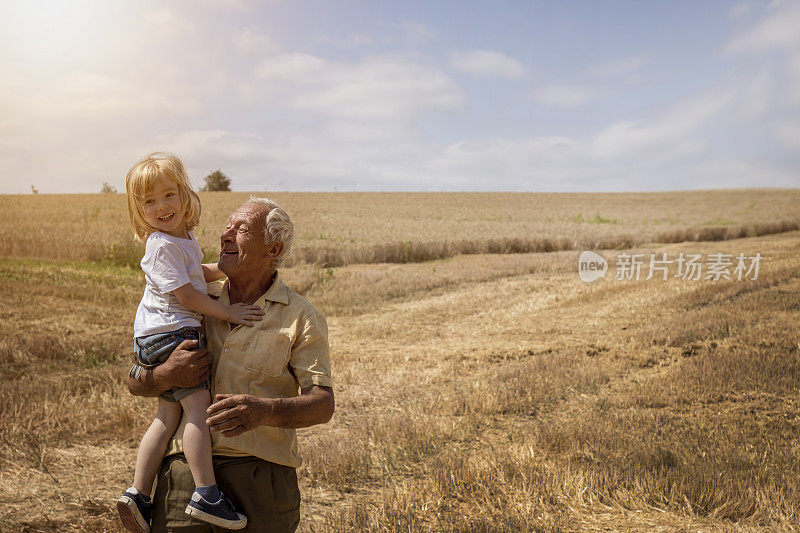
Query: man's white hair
x=277, y=228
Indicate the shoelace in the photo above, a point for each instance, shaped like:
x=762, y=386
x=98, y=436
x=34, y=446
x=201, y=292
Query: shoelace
x=141, y=503
x=227, y=506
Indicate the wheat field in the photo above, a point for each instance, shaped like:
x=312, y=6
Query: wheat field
x=475, y=391
x=336, y=229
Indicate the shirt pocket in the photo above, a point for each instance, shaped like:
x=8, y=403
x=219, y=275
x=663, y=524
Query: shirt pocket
x=268, y=352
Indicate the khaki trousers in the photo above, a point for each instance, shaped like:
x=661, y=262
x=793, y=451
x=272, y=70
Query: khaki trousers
x=266, y=492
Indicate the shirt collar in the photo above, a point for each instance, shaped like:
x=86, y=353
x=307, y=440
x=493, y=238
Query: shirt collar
x=277, y=292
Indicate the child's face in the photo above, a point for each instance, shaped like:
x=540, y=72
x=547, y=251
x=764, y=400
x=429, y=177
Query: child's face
x=163, y=208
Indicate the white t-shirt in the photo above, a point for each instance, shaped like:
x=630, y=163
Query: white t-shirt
x=168, y=263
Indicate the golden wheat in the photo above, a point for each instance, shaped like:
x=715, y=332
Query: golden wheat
x=335, y=229
x=474, y=393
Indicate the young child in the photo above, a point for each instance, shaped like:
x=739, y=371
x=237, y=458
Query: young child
x=163, y=209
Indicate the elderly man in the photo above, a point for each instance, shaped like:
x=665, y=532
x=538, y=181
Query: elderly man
x=256, y=374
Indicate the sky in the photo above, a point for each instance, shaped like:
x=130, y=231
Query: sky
x=579, y=96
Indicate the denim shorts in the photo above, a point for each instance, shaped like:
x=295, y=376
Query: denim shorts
x=152, y=350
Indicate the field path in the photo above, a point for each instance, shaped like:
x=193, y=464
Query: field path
x=423, y=352
x=448, y=379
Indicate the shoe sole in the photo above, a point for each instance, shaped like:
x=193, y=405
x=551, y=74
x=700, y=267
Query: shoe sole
x=130, y=518
x=217, y=521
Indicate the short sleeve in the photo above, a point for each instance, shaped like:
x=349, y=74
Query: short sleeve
x=310, y=357
x=214, y=288
x=168, y=269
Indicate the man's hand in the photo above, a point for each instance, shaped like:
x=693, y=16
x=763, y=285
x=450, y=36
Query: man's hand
x=187, y=366
x=234, y=414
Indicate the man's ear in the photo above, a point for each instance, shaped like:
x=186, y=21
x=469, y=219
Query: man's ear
x=274, y=250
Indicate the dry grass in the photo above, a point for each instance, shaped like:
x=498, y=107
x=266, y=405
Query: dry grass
x=347, y=228
x=474, y=393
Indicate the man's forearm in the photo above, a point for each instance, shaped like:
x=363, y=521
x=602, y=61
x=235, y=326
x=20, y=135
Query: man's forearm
x=187, y=366
x=143, y=382
x=234, y=414
x=314, y=406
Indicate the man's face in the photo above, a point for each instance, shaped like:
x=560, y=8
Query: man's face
x=242, y=242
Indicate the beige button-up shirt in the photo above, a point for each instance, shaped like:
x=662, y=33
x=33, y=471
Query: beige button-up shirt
x=284, y=352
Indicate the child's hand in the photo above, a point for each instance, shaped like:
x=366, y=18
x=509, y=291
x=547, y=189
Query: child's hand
x=243, y=313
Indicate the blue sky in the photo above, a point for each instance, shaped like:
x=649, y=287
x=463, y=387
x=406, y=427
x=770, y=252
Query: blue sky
x=409, y=96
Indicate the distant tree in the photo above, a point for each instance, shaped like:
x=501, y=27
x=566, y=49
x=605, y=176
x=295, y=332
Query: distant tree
x=108, y=188
x=217, y=181
x=34, y=190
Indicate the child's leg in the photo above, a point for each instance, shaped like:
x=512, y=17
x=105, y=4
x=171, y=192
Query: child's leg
x=197, y=439
x=154, y=444
x=207, y=503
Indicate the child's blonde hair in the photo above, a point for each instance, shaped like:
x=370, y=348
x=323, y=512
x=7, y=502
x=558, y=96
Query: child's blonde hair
x=140, y=180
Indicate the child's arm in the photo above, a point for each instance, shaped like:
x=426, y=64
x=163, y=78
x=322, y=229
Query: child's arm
x=212, y=272
x=202, y=303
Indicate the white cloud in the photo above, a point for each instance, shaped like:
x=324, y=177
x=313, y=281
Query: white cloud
x=292, y=68
x=788, y=134
x=81, y=94
x=757, y=94
x=771, y=88
x=376, y=87
x=234, y=5
x=250, y=160
x=349, y=41
x=485, y=163
x=318, y=121
x=668, y=147
x=780, y=28
x=741, y=172
x=417, y=33
x=740, y=10
x=164, y=21
x=251, y=40
x=792, y=89
x=618, y=68
x=213, y=144
x=670, y=129
x=564, y=95
x=487, y=64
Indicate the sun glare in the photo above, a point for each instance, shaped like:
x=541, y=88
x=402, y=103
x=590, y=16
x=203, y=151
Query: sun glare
x=49, y=32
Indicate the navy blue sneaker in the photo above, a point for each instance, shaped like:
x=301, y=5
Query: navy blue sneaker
x=221, y=513
x=134, y=511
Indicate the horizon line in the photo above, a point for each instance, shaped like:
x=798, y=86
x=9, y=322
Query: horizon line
x=442, y=191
